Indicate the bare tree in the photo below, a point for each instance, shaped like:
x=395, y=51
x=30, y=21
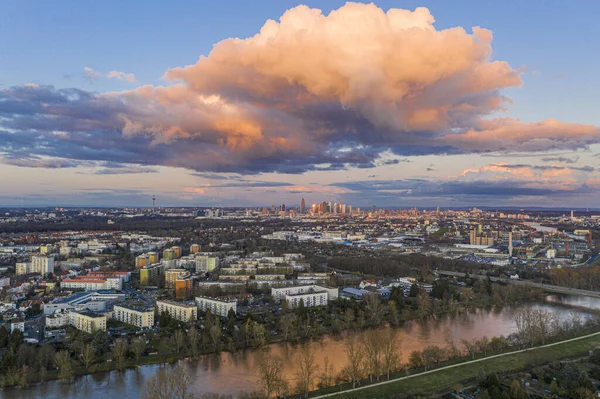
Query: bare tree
x=287, y=323
x=524, y=321
x=432, y=354
x=450, y=343
x=64, y=364
x=354, y=352
x=307, y=370
x=168, y=384
x=392, y=356
x=193, y=340
x=424, y=305
x=483, y=344
x=349, y=316
x=179, y=339
x=470, y=346
x=119, y=352
x=138, y=346
x=371, y=341
x=87, y=355
x=543, y=320
x=215, y=333
x=373, y=308
x=328, y=373
x=270, y=374
x=393, y=310
x=415, y=359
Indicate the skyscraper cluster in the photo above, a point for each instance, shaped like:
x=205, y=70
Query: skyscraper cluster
x=329, y=207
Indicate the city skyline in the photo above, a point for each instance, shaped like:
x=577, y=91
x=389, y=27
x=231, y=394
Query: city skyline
x=485, y=104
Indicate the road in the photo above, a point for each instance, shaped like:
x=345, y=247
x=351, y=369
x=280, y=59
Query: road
x=483, y=359
x=545, y=287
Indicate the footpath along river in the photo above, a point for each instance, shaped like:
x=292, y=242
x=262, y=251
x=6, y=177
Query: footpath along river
x=228, y=373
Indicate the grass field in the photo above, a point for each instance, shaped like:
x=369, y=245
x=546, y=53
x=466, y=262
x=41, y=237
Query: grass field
x=445, y=379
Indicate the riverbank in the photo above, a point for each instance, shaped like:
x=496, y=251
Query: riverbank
x=229, y=374
x=444, y=377
x=103, y=364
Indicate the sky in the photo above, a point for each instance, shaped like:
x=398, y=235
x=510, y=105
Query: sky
x=235, y=103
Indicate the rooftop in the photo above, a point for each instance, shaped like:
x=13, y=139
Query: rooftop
x=136, y=307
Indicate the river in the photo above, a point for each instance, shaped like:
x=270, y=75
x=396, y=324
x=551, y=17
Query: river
x=227, y=373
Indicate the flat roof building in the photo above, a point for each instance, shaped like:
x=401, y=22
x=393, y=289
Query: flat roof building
x=178, y=310
x=139, y=316
x=87, y=321
x=220, y=307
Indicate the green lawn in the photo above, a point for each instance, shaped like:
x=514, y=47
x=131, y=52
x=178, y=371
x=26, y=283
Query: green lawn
x=445, y=379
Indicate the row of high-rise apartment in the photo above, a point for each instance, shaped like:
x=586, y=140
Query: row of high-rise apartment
x=151, y=258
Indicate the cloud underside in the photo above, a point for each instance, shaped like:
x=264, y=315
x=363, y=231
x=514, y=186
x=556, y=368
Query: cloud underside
x=494, y=181
x=358, y=87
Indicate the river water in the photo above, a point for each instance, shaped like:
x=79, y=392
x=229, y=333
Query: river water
x=227, y=373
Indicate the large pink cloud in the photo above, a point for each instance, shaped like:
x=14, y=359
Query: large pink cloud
x=313, y=88
x=390, y=72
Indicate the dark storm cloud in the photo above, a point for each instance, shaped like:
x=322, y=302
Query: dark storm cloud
x=561, y=159
x=418, y=188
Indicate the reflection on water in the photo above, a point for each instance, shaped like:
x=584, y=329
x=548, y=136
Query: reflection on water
x=230, y=373
x=575, y=300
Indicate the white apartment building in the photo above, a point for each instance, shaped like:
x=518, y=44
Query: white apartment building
x=178, y=310
x=87, y=321
x=280, y=294
x=206, y=263
x=39, y=264
x=309, y=299
x=42, y=264
x=134, y=315
x=217, y=306
x=58, y=320
x=92, y=283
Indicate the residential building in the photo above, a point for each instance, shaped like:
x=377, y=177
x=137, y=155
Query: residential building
x=169, y=254
x=206, y=263
x=176, y=252
x=178, y=310
x=139, y=316
x=92, y=283
x=142, y=260
x=171, y=275
x=194, y=249
x=23, y=268
x=125, y=276
x=58, y=320
x=280, y=293
x=153, y=256
x=308, y=298
x=42, y=264
x=220, y=307
x=149, y=275
x=183, y=286
x=87, y=321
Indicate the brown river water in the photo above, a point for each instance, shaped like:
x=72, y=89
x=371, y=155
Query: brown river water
x=228, y=373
